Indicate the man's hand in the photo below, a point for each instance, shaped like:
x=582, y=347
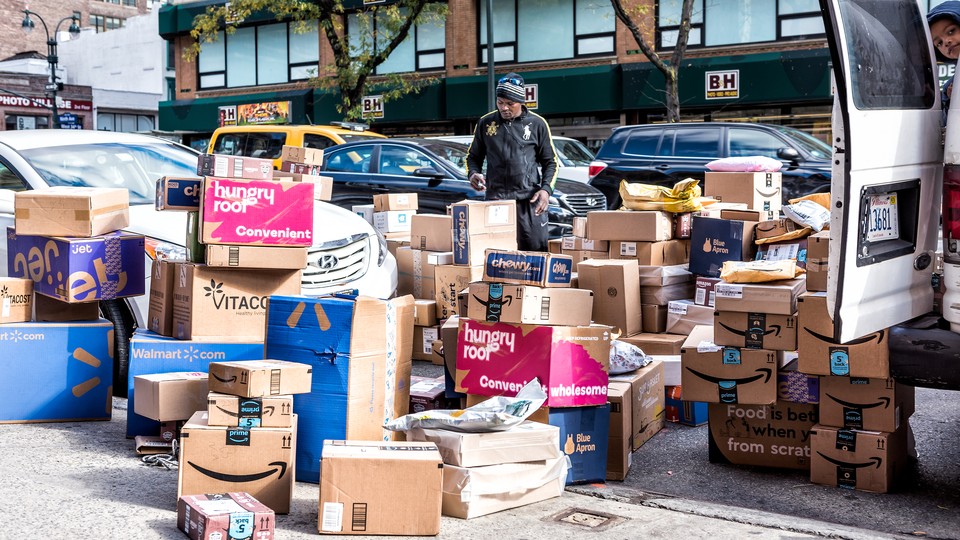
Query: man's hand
x=478, y=182
x=540, y=201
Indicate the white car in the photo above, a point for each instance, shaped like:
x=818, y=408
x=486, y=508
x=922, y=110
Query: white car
x=574, y=157
x=347, y=252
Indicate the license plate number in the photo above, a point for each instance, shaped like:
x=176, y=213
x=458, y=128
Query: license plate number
x=883, y=218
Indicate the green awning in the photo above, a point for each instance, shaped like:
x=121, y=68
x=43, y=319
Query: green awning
x=203, y=114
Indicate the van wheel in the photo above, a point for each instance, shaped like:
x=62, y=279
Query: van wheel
x=117, y=312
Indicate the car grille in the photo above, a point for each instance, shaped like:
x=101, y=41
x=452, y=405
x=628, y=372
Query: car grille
x=581, y=203
x=337, y=263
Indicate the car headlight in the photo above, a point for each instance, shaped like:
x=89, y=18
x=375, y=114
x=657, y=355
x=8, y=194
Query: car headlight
x=160, y=250
x=382, y=241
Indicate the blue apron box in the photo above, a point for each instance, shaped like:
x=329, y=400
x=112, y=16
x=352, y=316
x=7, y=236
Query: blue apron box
x=56, y=371
x=153, y=353
x=179, y=193
x=713, y=241
x=528, y=268
x=584, y=436
x=79, y=269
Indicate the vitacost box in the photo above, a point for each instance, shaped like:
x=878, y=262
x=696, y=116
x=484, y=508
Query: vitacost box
x=249, y=412
x=260, y=378
x=727, y=374
x=775, y=435
x=179, y=193
x=525, y=304
x=206, y=517
x=256, y=212
x=16, y=299
x=528, y=268
x=71, y=211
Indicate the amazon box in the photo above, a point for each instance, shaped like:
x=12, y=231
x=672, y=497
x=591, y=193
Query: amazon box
x=704, y=294
x=170, y=396
x=759, y=190
x=270, y=257
x=865, y=460
x=299, y=154
x=205, y=517
x=571, y=362
x=423, y=338
x=71, y=211
x=258, y=461
x=450, y=280
x=431, y=232
x=684, y=315
x=525, y=304
x=160, y=311
x=179, y=193
x=665, y=253
x=714, y=241
x=249, y=412
x=749, y=214
x=868, y=404
x=528, y=268
x=528, y=441
x=385, y=202
x=656, y=344
x=351, y=503
x=755, y=330
x=775, y=435
x=260, y=378
x=479, y=225
x=776, y=227
x=775, y=297
x=470, y=492
x=620, y=446
x=416, y=271
x=818, y=261
x=48, y=309
x=647, y=404
x=715, y=374
x=104, y=267
x=866, y=357
x=256, y=212
x=243, y=167
x=56, y=372
x=653, y=318
x=616, y=293
x=214, y=303
x=634, y=226
x=16, y=300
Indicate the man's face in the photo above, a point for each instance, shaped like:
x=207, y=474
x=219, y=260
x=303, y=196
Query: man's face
x=946, y=37
x=508, y=109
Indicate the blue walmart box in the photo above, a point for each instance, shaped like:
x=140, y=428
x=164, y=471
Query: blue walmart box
x=79, y=269
x=528, y=268
x=584, y=435
x=713, y=241
x=690, y=413
x=153, y=353
x=56, y=371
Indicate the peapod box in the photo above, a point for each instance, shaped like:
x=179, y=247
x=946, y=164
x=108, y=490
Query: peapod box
x=620, y=445
x=714, y=241
x=584, y=436
x=206, y=517
x=818, y=261
x=616, y=293
x=631, y=225
x=854, y=459
x=56, y=372
x=470, y=492
x=665, y=253
x=870, y=404
x=755, y=330
x=528, y=268
x=260, y=378
x=776, y=297
x=526, y=304
x=820, y=354
x=249, y=412
x=214, y=303
x=160, y=310
x=775, y=435
x=431, y=232
x=71, y=211
x=223, y=166
x=647, y=406
x=16, y=300
x=270, y=257
x=104, y=267
x=571, y=362
x=256, y=212
x=170, y=396
x=680, y=411
x=350, y=503
x=258, y=461
x=715, y=374
x=179, y=193
x=759, y=190
x=478, y=225
x=153, y=353
x=528, y=441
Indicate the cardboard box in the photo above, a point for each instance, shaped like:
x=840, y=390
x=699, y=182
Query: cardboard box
x=205, y=517
x=449, y=334
x=71, y=211
x=350, y=503
x=385, y=202
x=868, y=404
x=714, y=210
x=554, y=245
x=529, y=441
x=423, y=338
x=755, y=330
x=773, y=228
x=653, y=318
x=648, y=405
x=631, y=225
x=671, y=367
x=16, y=300
x=853, y=459
x=105, y=267
x=299, y=154
x=656, y=344
x=179, y=193
x=727, y=374
x=749, y=214
x=195, y=250
x=56, y=372
x=820, y=354
x=580, y=256
x=425, y=312
x=223, y=166
x=682, y=225
x=470, y=492
x=249, y=412
x=579, y=226
x=258, y=461
x=450, y=280
x=575, y=243
x=48, y=309
x=363, y=210
x=525, y=304
x=430, y=232
x=160, y=307
x=571, y=362
x=297, y=168
x=256, y=212
x=775, y=435
x=153, y=353
x=684, y=315
x=426, y=394
x=322, y=185
x=795, y=386
x=620, y=446
x=766, y=193
x=170, y=396
x=584, y=438
x=666, y=253
x=704, y=293
x=478, y=226
x=795, y=250
x=775, y=297
x=260, y=378
x=271, y=257
x=235, y=307
x=527, y=268
x=416, y=271
x=714, y=241
x=818, y=261
x=679, y=411
x=390, y=221
x=662, y=295
x=661, y=276
x=616, y=293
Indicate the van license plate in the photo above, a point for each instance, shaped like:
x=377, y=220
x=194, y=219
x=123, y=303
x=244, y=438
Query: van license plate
x=884, y=223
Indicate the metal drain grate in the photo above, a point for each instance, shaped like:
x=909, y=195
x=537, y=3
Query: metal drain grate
x=589, y=519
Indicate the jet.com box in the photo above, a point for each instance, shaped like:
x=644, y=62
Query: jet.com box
x=153, y=353
x=56, y=371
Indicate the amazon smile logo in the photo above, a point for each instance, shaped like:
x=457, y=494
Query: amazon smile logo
x=762, y=373
x=275, y=466
x=859, y=341
x=230, y=380
x=884, y=402
x=753, y=332
x=873, y=462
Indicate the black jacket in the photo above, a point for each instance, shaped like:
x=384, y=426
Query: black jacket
x=516, y=152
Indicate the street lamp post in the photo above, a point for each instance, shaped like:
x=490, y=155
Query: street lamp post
x=52, y=59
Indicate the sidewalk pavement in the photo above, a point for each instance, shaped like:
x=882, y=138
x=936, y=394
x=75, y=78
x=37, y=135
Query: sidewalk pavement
x=84, y=480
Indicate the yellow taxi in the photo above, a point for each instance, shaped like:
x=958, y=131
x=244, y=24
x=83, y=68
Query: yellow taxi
x=266, y=141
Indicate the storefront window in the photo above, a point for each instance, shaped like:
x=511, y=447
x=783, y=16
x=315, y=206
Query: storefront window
x=22, y=121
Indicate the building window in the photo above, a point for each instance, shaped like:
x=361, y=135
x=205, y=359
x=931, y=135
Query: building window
x=575, y=29
x=423, y=49
x=280, y=54
x=716, y=23
x=128, y=3
x=125, y=122
x=21, y=121
x=103, y=23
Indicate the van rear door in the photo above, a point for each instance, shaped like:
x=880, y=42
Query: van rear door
x=888, y=163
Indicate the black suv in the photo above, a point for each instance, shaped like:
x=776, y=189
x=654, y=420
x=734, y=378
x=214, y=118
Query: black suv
x=663, y=154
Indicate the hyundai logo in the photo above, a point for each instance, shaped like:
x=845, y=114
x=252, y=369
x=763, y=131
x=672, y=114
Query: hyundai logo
x=328, y=262
x=592, y=201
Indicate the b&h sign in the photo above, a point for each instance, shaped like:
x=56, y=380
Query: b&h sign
x=723, y=84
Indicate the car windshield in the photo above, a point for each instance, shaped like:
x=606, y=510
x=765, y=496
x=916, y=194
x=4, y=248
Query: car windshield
x=573, y=153
x=135, y=166
x=808, y=143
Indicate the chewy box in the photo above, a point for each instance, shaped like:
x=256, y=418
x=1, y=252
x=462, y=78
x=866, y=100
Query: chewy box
x=79, y=269
x=56, y=371
x=178, y=193
x=257, y=212
x=528, y=268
